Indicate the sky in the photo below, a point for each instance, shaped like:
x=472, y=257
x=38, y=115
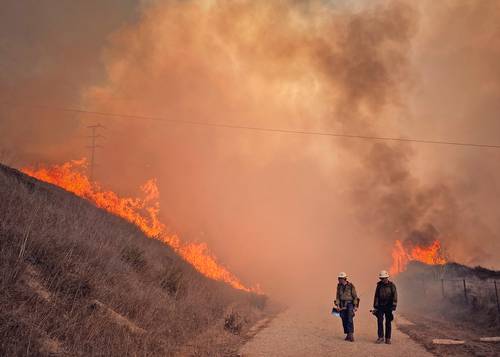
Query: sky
x=288, y=211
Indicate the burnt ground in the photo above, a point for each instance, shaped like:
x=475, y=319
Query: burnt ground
x=429, y=326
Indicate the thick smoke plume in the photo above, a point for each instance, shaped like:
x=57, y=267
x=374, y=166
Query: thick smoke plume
x=289, y=211
x=49, y=52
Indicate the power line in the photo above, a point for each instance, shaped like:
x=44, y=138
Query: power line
x=93, y=146
x=262, y=129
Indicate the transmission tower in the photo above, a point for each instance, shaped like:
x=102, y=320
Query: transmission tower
x=93, y=146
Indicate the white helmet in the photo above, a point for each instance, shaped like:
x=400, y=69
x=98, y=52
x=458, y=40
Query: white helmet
x=383, y=274
x=342, y=275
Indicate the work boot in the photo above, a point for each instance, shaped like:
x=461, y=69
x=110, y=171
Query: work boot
x=346, y=337
x=350, y=337
x=388, y=341
x=380, y=340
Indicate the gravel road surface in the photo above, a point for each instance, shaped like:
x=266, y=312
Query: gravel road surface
x=309, y=331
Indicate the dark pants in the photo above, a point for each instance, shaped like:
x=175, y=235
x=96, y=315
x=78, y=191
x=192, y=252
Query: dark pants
x=387, y=313
x=347, y=316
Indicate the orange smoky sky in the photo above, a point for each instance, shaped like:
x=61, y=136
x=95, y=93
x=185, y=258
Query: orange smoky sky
x=285, y=210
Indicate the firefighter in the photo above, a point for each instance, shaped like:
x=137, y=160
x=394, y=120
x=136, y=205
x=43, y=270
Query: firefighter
x=347, y=302
x=385, y=302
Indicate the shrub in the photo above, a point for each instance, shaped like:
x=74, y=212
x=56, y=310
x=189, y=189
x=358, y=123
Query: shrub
x=233, y=323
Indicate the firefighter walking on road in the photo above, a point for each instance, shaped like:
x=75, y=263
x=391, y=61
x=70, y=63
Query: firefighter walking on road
x=347, y=302
x=385, y=302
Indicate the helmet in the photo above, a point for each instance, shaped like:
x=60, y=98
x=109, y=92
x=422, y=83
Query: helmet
x=342, y=275
x=383, y=274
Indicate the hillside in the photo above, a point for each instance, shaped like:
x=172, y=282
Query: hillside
x=76, y=280
x=456, y=290
x=449, y=271
x=451, y=301
x=453, y=292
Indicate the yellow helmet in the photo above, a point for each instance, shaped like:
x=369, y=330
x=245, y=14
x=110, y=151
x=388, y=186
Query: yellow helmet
x=342, y=275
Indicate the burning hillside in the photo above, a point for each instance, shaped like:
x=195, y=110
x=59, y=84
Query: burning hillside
x=420, y=246
x=143, y=212
x=77, y=280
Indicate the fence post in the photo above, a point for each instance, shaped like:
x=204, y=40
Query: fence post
x=465, y=293
x=496, y=294
x=442, y=287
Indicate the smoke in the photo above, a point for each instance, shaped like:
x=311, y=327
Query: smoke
x=262, y=201
x=289, y=211
x=49, y=51
x=456, y=97
x=423, y=237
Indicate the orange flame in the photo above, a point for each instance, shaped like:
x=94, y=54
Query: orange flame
x=143, y=212
x=401, y=256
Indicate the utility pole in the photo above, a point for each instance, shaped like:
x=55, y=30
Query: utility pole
x=93, y=146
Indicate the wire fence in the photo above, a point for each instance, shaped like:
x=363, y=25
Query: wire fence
x=479, y=294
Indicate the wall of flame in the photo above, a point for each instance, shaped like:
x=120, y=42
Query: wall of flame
x=143, y=212
x=402, y=255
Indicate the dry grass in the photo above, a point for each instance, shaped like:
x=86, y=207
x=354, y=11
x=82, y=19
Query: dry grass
x=425, y=291
x=76, y=280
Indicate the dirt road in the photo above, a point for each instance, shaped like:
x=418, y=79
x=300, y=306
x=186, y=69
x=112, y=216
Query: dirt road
x=308, y=331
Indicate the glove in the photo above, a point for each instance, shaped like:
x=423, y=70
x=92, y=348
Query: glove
x=394, y=308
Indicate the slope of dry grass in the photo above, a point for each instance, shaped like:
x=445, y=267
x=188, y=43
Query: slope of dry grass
x=440, y=289
x=75, y=280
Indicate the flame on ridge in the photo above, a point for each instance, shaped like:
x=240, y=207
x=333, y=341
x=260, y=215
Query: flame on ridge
x=143, y=212
x=401, y=255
